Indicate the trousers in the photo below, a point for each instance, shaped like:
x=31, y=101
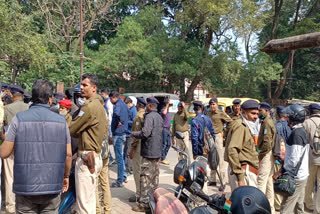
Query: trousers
x=223, y=165
x=105, y=189
x=10, y=201
x=277, y=197
x=48, y=204
x=149, y=178
x=312, y=198
x=265, y=180
x=185, y=145
x=294, y=203
x=85, y=183
x=250, y=179
x=136, y=167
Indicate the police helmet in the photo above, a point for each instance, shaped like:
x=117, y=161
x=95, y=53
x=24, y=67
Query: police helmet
x=249, y=200
x=297, y=114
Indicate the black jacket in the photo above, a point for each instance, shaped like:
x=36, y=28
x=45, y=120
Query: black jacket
x=151, y=135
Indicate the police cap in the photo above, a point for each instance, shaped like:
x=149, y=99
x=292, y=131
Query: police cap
x=280, y=108
x=152, y=100
x=213, y=100
x=236, y=101
x=65, y=103
x=264, y=105
x=4, y=85
x=179, y=104
x=197, y=103
x=314, y=106
x=250, y=104
x=16, y=89
x=141, y=101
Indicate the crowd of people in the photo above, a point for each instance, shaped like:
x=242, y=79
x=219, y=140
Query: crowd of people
x=46, y=136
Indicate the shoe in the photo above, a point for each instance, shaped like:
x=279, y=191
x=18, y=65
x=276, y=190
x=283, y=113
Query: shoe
x=165, y=162
x=125, y=180
x=133, y=199
x=116, y=185
x=138, y=208
x=212, y=183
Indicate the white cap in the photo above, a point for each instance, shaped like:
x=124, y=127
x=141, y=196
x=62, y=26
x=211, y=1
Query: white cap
x=134, y=100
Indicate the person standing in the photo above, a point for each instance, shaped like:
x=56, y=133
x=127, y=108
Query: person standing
x=266, y=140
x=69, y=96
x=151, y=142
x=283, y=132
x=65, y=107
x=10, y=111
x=131, y=103
x=119, y=128
x=103, y=177
x=236, y=114
x=40, y=175
x=312, y=198
x=297, y=147
x=136, y=147
x=198, y=126
x=90, y=126
x=166, y=144
x=240, y=147
x=181, y=125
x=219, y=119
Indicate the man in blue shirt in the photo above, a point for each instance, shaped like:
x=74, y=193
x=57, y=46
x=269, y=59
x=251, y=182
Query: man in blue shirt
x=119, y=128
x=131, y=102
x=198, y=125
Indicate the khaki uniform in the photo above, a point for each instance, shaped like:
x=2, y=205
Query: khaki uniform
x=233, y=116
x=68, y=119
x=241, y=154
x=181, y=124
x=219, y=118
x=265, y=144
x=90, y=126
x=9, y=112
x=136, y=147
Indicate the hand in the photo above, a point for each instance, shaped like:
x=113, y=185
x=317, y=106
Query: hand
x=119, y=124
x=65, y=185
x=110, y=140
x=172, y=140
x=241, y=183
x=183, y=104
x=277, y=175
x=131, y=155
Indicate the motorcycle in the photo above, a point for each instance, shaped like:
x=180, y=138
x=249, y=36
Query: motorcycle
x=191, y=179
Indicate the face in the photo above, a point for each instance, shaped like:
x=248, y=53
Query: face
x=104, y=95
x=129, y=105
x=149, y=108
x=236, y=108
x=214, y=106
x=114, y=99
x=264, y=112
x=87, y=89
x=180, y=109
x=62, y=108
x=251, y=114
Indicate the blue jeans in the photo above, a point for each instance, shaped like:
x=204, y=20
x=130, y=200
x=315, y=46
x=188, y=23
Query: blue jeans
x=118, y=149
x=166, y=143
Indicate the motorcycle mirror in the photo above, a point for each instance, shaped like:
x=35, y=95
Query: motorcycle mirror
x=213, y=158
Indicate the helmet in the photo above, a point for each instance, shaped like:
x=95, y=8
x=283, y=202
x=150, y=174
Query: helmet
x=296, y=114
x=77, y=94
x=249, y=200
x=76, y=89
x=196, y=172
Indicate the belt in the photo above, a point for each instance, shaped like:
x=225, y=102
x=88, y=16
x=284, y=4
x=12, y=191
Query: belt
x=251, y=168
x=80, y=153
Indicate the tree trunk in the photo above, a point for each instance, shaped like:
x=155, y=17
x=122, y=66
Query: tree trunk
x=191, y=88
x=277, y=9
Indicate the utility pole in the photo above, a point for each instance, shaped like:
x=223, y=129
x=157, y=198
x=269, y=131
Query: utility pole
x=81, y=40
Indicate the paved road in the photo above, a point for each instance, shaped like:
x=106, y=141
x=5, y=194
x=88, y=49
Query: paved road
x=120, y=203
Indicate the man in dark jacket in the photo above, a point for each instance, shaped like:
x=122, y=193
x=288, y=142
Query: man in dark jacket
x=151, y=142
x=119, y=128
x=40, y=174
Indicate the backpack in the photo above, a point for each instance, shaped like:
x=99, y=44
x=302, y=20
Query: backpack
x=279, y=149
x=315, y=145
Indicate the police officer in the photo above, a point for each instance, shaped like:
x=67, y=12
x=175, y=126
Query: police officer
x=266, y=140
x=312, y=198
x=90, y=125
x=136, y=147
x=198, y=125
x=218, y=118
x=151, y=142
x=10, y=111
x=236, y=114
x=181, y=125
x=240, y=147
